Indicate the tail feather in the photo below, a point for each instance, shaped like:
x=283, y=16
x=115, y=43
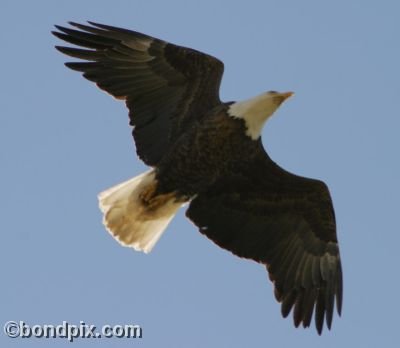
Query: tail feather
x=133, y=222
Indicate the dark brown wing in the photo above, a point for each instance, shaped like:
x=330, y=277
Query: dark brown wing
x=165, y=86
x=285, y=222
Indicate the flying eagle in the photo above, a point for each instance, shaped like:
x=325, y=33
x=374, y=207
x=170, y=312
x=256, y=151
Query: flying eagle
x=209, y=154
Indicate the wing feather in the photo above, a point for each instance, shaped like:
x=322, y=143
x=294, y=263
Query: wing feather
x=284, y=221
x=165, y=86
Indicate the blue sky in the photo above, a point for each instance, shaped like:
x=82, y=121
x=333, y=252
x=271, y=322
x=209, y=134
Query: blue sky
x=62, y=141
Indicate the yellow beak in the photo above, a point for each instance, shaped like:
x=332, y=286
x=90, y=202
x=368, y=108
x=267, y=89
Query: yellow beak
x=286, y=95
x=279, y=98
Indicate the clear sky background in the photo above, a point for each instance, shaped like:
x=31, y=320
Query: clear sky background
x=62, y=141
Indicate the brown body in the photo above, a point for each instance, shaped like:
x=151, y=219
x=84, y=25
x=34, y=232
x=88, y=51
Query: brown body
x=213, y=147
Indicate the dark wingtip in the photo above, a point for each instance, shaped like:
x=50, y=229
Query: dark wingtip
x=74, y=24
x=59, y=35
x=99, y=25
x=76, y=66
x=60, y=49
x=81, y=26
x=60, y=27
x=339, y=290
x=319, y=323
x=70, y=65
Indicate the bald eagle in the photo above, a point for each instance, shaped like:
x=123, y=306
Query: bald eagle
x=209, y=154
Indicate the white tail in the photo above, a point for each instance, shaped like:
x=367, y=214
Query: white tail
x=131, y=222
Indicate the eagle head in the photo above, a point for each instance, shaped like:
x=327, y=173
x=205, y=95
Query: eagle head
x=255, y=111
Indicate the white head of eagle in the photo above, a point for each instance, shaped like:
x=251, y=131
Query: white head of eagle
x=256, y=111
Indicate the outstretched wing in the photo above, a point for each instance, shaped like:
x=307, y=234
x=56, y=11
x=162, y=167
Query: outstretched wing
x=284, y=221
x=165, y=86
